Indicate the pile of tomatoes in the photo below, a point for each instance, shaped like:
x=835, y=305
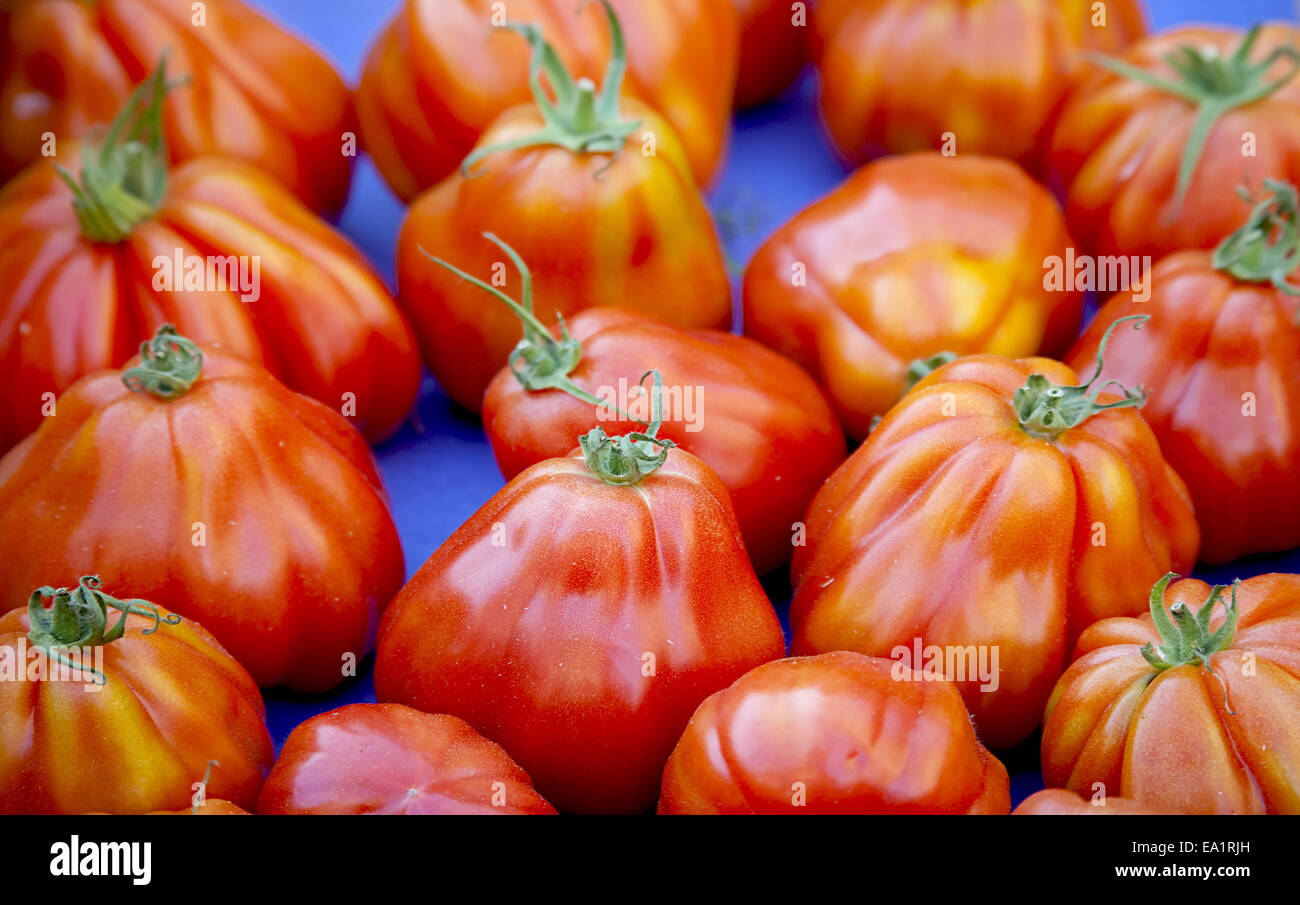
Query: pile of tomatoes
x=985, y=513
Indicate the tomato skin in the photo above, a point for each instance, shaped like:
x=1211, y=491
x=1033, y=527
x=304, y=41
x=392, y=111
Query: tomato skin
x=912, y=256
x=257, y=93
x=950, y=510
x=773, y=49
x=897, y=75
x=391, y=759
x=764, y=427
x=211, y=807
x=299, y=552
x=638, y=236
x=173, y=700
x=1211, y=340
x=1062, y=801
x=323, y=322
x=859, y=740
x=536, y=632
x=441, y=73
x=1118, y=145
x=1165, y=738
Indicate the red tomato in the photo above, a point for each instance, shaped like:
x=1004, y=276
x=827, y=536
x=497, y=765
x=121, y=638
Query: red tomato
x=127, y=707
x=255, y=92
x=1220, y=360
x=578, y=622
x=903, y=75
x=1063, y=801
x=1195, y=709
x=390, y=759
x=212, y=807
x=912, y=256
x=443, y=70
x=996, y=511
x=1139, y=177
x=839, y=733
x=224, y=495
x=773, y=48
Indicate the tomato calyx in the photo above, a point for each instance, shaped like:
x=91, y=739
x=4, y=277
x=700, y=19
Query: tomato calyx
x=1267, y=247
x=1186, y=639
x=579, y=118
x=1046, y=409
x=169, y=365
x=631, y=457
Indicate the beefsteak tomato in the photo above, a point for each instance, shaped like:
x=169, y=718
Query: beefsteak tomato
x=773, y=48
x=1062, y=801
x=838, y=733
x=1189, y=709
x=197, y=479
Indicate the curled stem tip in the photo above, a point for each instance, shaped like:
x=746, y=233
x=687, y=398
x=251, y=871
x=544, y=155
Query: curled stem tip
x=631, y=457
x=169, y=365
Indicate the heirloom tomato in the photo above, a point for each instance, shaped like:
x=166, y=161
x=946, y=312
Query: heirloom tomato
x=255, y=92
x=838, y=733
x=391, y=759
x=88, y=270
x=120, y=711
x=773, y=48
x=1221, y=360
x=443, y=70
x=996, y=511
x=1146, y=145
x=1192, y=708
x=1063, y=801
x=988, y=76
x=196, y=479
x=912, y=256
x=600, y=224
x=581, y=615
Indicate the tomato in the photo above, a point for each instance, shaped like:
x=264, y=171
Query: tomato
x=581, y=615
x=1219, y=359
x=255, y=92
x=1195, y=708
x=196, y=479
x=609, y=228
x=1139, y=175
x=773, y=48
x=443, y=70
x=912, y=256
x=117, y=705
x=983, y=76
x=391, y=759
x=214, y=246
x=1063, y=801
x=838, y=733
x=212, y=807
x=996, y=511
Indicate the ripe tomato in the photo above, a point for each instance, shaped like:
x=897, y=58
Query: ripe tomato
x=391, y=759
x=901, y=75
x=996, y=511
x=839, y=733
x=1191, y=709
x=581, y=615
x=85, y=276
x=224, y=495
x=443, y=70
x=1220, y=358
x=256, y=93
x=773, y=48
x=120, y=711
x=212, y=807
x=912, y=256
x=1144, y=148
x=1063, y=801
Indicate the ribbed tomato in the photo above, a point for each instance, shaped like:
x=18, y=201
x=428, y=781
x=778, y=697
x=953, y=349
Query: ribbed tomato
x=773, y=48
x=196, y=479
x=118, y=706
x=838, y=733
x=1063, y=801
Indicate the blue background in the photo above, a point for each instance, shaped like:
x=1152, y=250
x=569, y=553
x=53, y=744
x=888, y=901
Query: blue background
x=439, y=469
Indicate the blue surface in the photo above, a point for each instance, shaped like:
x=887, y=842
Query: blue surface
x=439, y=469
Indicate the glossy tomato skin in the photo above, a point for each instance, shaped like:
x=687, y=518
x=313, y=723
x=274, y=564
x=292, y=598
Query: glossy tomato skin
x=241, y=504
x=754, y=417
x=1117, y=147
x=1167, y=739
x=953, y=525
x=900, y=75
x=211, y=807
x=173, y=700
x=838, y=733
x=1062, y=801
x=256, y=93
x=322, y=319
x=391, y=759
x=1218, y=359
x=912, y=256
x=636, y=235
x=773, y=48
x=442, y=71
x=578, y=624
